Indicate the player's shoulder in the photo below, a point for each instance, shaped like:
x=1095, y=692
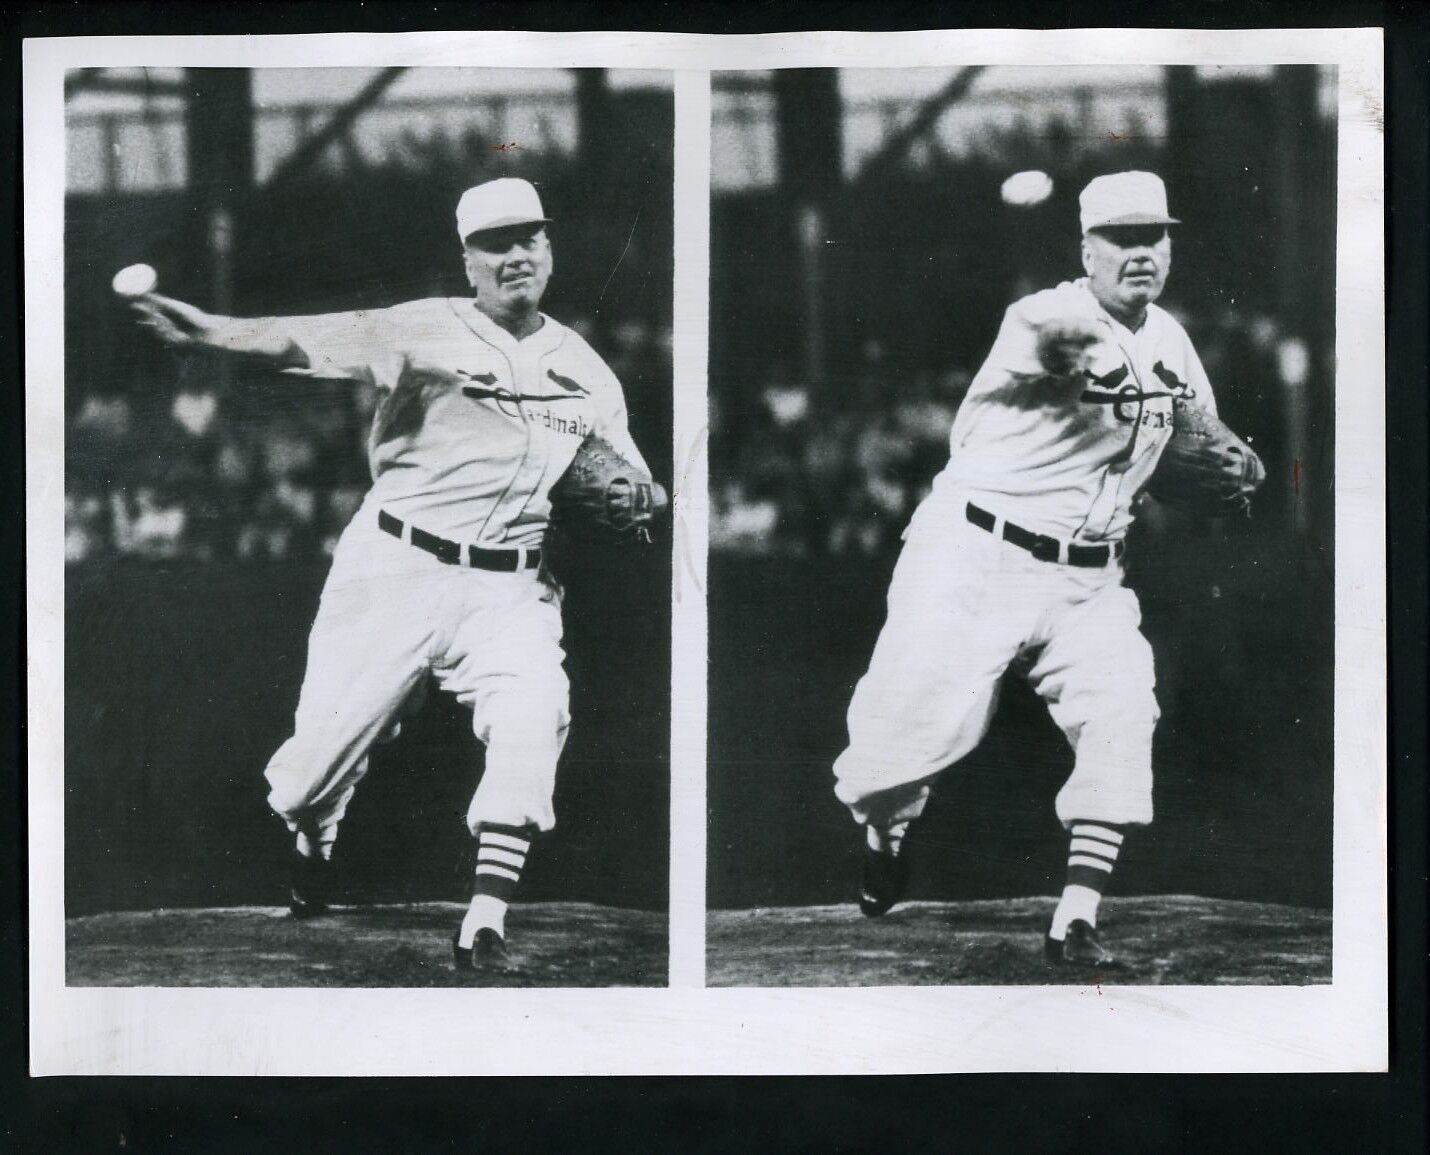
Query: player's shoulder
x=421, y=307
x=1066, y=300
x=406, y=314
x=568, y=340
x=571, y=346
x=1170, y=327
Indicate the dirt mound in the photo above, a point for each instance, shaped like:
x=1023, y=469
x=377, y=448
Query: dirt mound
x=1170, y=940
x=401, y=945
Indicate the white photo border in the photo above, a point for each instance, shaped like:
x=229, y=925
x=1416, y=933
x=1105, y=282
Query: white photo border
x=686, y=1028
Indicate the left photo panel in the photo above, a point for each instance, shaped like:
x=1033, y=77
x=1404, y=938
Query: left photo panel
x=367, y=463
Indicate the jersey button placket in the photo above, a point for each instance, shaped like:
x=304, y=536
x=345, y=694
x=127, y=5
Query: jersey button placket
x=538, y=448
x=1117, y=465
x=516, y=412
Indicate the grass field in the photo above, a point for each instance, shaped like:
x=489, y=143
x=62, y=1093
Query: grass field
x=402, y=945
x=1165, y=940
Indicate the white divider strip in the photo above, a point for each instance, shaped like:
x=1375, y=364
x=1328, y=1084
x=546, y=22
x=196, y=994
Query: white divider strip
x=688, y=624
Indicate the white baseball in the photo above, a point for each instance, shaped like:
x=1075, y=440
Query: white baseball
x=1027, y=188
x=135, y=280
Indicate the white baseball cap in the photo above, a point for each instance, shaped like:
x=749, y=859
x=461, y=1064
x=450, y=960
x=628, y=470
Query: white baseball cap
x=1124, y=198
x=499, y=204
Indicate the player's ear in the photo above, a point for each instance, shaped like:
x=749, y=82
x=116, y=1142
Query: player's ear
x=1086, y=257
x=467, y=267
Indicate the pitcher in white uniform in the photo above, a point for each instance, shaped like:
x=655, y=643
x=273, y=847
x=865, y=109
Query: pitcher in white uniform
x=1017, y=553
x=483, y=403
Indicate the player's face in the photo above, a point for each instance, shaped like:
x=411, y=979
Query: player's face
x=1127, y=266
x=508, y=268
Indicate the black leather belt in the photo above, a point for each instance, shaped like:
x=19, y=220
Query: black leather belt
x=455, y=553
x=1046, y=548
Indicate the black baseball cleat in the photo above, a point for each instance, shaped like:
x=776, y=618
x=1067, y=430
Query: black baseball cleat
x=487, y=953
x=309, y=884
x=1080, y=948
x=886, y=879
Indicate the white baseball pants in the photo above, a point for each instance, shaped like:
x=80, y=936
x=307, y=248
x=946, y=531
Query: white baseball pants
x=390, y=614
x=963, y=604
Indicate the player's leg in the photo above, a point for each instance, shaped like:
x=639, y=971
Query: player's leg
x=958, y=610
x=1096, y=674
x=505, y=662
x=957, y=614
x=361, y=668
x=317, y=828
x=367, y=654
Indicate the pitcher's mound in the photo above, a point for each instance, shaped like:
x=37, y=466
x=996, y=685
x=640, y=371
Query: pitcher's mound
x=1173, y=940
x=560, y=944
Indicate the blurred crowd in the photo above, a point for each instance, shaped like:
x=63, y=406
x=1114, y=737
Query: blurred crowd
x=215, y=466
x=800, y=471
x=838, y=469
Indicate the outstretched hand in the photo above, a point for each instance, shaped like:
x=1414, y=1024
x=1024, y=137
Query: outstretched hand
x=176, y=323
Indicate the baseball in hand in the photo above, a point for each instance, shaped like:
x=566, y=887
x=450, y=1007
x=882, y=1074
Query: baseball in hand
x=1065, y=344
x=135, y=280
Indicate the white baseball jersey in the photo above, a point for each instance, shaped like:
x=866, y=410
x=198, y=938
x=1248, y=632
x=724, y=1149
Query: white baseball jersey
x=474, y=426
x=472, y=429
x=1068, y=466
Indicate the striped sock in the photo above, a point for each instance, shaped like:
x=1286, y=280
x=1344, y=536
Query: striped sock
x=501, y=855
x=1092, y=853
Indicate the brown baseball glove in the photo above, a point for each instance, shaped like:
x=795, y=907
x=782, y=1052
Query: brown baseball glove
x=604, y=496
x=1205, y=467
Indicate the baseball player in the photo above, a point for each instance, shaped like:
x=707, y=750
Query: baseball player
x=483, y=403
x=1017, y=554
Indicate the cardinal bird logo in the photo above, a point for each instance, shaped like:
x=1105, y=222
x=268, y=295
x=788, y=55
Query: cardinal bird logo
x=487, y=389
x=566, y=383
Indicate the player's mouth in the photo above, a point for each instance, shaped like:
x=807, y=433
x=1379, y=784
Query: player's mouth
x=516, y=278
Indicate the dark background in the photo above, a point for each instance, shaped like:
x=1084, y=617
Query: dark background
x=186, y=640
x=821, y=449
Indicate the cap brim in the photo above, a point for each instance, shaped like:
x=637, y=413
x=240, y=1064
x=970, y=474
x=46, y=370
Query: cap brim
x=505, y=223
x=1133, y=220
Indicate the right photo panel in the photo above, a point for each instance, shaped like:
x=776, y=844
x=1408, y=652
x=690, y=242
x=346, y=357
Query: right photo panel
x=1021, y=599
